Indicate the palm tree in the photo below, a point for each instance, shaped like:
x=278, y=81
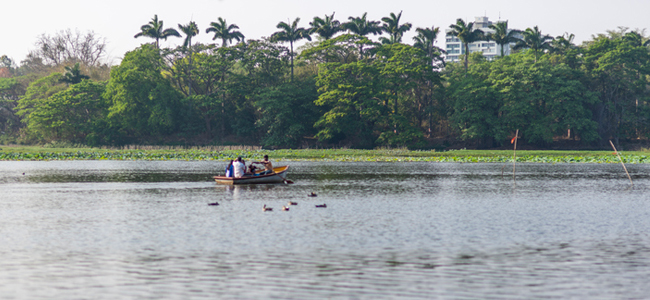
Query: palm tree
x=563, y=43
x=534, y=40
x=290, y=33
x=154, y=29
x=426, y=39
x=467, y=35
x=225, y=32
x=502, y=35
x=394, y=29
x=362, y=27
x=325, y=28
x=190, y=30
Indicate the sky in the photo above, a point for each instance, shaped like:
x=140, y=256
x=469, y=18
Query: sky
x=23, y=21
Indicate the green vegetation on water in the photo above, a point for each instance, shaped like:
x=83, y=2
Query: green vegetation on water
x=17, y=153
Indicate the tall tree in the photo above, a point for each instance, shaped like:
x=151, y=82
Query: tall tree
x=534, y=40
x=325, y=28
x=466, y=33
x=190, y=30
x=290, y=33
x=154, y=29
x=225, y=32
x=362, y=27
x=425, y=40
x=502, y=35
x=394, y=29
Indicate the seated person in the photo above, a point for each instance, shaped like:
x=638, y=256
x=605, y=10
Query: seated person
x=268, y=166
x=240, y=168
x=251, y=170
x=230, y=170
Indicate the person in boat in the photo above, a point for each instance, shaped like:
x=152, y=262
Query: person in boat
x=251, y=170
x=230, y=170
x=239, y=168
x=268, y=166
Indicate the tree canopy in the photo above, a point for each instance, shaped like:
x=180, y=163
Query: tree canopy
x=348, y=88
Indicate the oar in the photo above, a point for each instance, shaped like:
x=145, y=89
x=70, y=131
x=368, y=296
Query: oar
x=288, y=181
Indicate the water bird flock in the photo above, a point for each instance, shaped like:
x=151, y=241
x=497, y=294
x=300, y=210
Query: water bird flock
x=284, y=208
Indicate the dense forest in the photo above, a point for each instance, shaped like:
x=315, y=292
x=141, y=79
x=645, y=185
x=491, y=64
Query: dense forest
x=353, y=84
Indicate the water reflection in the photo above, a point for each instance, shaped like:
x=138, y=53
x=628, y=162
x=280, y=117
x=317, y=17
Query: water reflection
x=136, y=230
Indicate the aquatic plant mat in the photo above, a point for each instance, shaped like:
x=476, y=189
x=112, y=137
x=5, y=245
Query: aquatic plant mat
x=224, y=154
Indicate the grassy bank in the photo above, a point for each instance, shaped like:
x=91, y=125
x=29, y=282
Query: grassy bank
x=17, y=153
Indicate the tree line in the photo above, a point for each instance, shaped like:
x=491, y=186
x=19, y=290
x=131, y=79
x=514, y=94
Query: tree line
x=341, y=89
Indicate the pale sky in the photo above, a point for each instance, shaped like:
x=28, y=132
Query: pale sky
x=22, y=21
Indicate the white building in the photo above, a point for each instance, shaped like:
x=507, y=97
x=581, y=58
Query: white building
x=490, y=49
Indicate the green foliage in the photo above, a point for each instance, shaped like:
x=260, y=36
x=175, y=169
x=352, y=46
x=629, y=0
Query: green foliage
x=38, y=93
x=619, y=72
x=543, y=100
x=350, y=94
x=367, y=101
x=73, y=75
x=142, y=101
x=77, y=114
x=285, y=113
x=476, y=108
x=348, y=91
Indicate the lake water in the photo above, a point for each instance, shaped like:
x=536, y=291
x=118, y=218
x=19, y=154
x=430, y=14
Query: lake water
x=144, y=230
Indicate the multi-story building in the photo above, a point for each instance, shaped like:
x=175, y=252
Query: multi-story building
x=490, y=49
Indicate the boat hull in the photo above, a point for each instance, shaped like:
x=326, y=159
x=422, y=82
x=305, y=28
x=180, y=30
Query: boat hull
x=279, y=176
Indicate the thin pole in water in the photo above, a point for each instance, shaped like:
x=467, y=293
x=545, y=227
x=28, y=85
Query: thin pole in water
x=514, y=154
x=619, y=158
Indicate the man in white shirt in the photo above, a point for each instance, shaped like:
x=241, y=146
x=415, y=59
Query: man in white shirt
x=240, y=168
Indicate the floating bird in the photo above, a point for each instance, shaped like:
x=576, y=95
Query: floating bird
x=312, y=194
x=321, y=205
x=215, y=204
x=292, y=203
x=285, y=208
x=266, y=208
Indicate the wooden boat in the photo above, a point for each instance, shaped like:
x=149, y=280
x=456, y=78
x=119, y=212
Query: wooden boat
x=277, y=177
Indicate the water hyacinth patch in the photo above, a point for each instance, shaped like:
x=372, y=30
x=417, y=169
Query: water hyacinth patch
x=382, y=155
